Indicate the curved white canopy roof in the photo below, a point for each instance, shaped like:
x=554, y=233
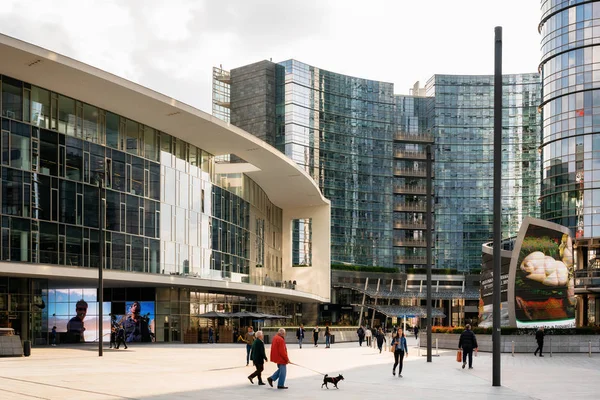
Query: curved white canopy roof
x=285, y=183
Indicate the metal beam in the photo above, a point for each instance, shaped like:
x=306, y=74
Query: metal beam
x=100, y=267
x=497, y=205
x=363, y=302
x=429, y=250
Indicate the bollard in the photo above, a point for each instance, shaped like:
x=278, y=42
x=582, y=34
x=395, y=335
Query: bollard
x=419, y=349
x=513, y=348
x=436, y=347
x=590, y=348
x=550, y=346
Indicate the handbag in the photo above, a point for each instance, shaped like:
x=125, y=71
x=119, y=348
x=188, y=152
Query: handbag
x=392, y=348
x=459, y=356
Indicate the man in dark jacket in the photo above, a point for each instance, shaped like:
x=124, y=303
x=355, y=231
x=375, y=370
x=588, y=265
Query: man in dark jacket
x=361, y=335
x=467, y=343
x=259, y=356
x=300, y=334
x=539, y=336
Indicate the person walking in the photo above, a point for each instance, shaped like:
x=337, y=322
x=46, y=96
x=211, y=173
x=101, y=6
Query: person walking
x=121, y=338
x=249, y=339
x=368, y=336
x=467, y=343
x=416, y=331
x=316, y=335
x=113, y=337
x=361, y=335
x=259, y=356
x=53, y=336
x=400, y=350
x=539, y=336
x=300, y=335
x=211, y=335
x=327, y=336
x=280, y=357
x=380, y=336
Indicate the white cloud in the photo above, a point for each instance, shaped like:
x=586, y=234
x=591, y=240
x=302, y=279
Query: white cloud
x=172, y=46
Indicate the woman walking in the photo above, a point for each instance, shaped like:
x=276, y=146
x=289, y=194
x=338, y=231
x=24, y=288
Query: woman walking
x=316, y=335
x=380, y=336
x=400, y=350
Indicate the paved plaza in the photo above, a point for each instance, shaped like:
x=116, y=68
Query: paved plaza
x=177, y=371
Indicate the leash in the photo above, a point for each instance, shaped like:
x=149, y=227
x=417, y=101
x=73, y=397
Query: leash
x=310, y=369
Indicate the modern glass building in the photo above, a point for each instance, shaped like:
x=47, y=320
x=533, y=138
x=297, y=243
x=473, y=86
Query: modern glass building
x=365, y=147
x=340, y=130
x=462, y=125
x=571, y=140
x=181, y=234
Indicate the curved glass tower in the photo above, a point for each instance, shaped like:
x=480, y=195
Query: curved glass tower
x=570, y=70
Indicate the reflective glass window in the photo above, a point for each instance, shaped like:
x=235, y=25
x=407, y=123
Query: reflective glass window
x=66, y=115
x=112, y=130
x=131, y=136
x=40, y=107
x=12, y=98
x=90, y=123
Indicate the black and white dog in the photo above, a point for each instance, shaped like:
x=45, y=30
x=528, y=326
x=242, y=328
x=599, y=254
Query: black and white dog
x=333, y=380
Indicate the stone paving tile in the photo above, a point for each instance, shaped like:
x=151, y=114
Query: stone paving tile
x=175, y=371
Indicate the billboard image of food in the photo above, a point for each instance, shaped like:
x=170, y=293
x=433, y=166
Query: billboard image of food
x=541, y=277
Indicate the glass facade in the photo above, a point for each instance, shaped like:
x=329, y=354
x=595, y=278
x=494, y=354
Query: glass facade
x=570, y=193
x=413, y=133
x=571, y=146
x=164, y=212
x=366, y=149
x=462, y=124
x=340, y=129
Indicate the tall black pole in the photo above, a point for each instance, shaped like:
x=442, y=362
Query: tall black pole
x=101, y=266
x=428, y=240
x=497, y=205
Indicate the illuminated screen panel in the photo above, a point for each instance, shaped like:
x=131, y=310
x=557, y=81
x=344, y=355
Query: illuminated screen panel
x=541, y=276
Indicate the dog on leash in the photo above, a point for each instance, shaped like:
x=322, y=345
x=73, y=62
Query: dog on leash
x=333, y=380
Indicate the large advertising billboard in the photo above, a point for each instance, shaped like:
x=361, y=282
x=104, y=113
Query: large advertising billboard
x=487, y=287
x=541, y=286
x=73, y=312
x=537, y=287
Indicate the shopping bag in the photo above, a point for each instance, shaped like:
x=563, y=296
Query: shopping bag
x=459, y=356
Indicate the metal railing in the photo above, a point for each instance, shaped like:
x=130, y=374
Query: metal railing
x=418, y=155
x=410, y=260
x=410, y=189
x=410, y=242
x=587, y=277
x=409, y=225
x=410, y=172
x=410, y=207
x=403, y=136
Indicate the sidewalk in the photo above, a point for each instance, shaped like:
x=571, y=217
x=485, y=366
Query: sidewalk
x=174, y=371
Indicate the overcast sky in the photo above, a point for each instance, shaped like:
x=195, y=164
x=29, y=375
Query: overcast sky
x=171, y=46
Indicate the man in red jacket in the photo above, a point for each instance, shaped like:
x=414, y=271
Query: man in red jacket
x=280, y=357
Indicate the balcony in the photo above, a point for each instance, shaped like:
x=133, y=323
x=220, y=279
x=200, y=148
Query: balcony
x=410, y=207
x=411, y=172
x=587, y=280
x=412, y=155
x=413, y=138
x=409, y=225
x=404, y=189
x=410, y=260
x=410, y=243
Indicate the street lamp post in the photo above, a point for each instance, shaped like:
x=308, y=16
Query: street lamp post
x=101, y=266
x=428, y=242
x=497, y=205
